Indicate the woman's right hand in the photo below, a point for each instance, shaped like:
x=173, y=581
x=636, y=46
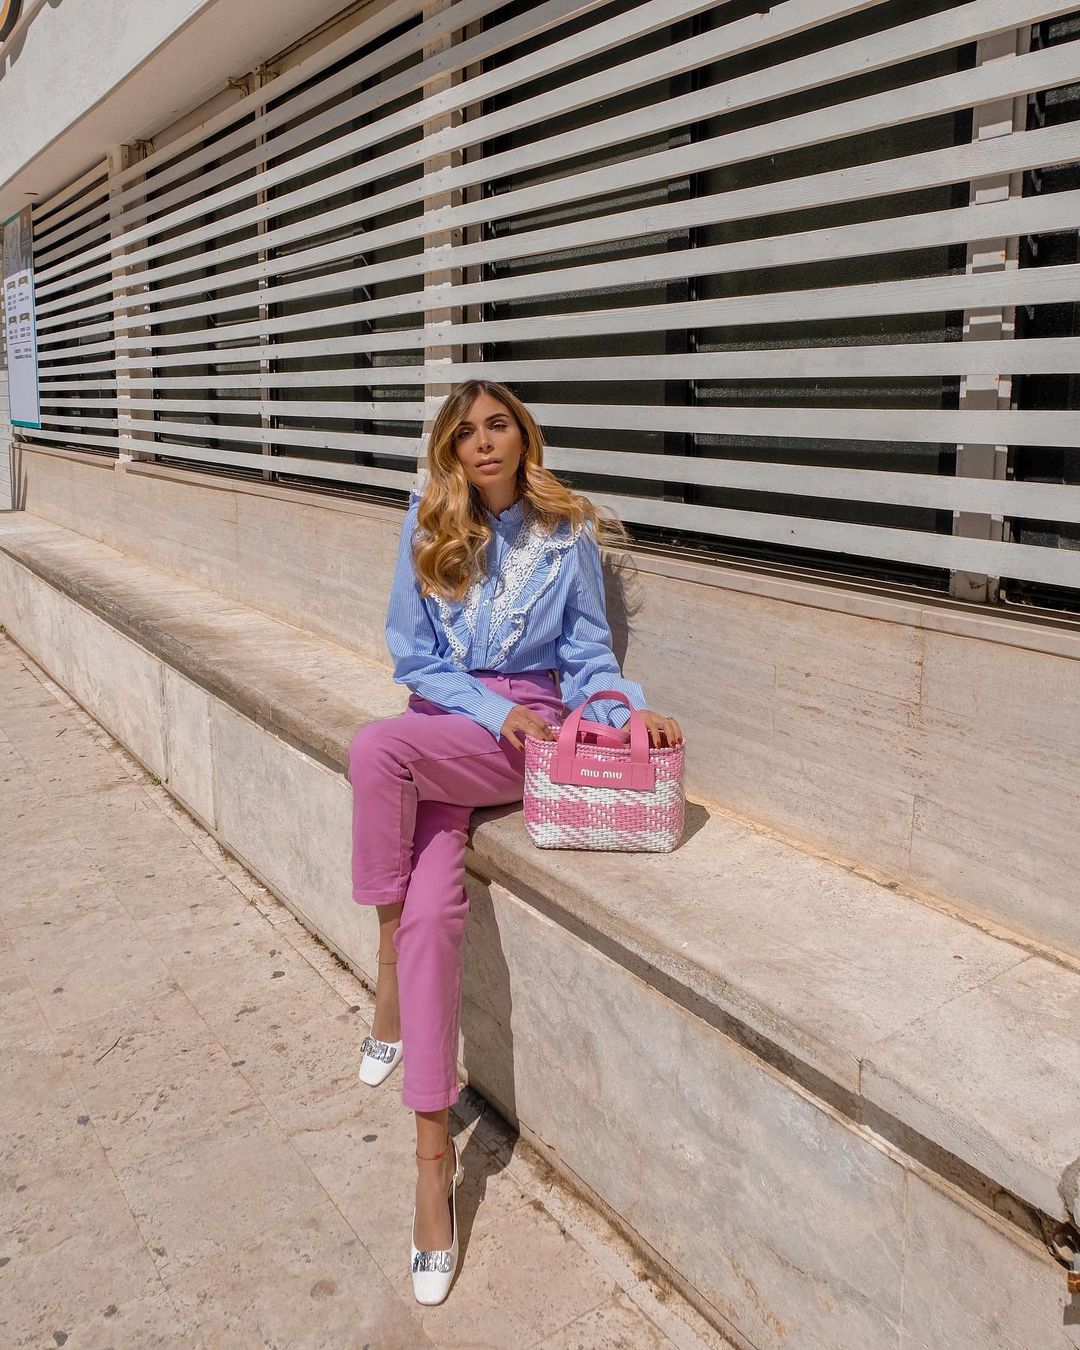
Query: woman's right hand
x=521, y=719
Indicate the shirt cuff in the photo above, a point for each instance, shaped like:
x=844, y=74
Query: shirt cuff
x=608, y=711
x=493, y=713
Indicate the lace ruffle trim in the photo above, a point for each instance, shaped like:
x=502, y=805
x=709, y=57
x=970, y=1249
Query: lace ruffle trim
x=513, y=600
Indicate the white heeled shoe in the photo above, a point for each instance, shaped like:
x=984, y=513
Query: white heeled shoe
x=380, y=1059
x=433, y=1271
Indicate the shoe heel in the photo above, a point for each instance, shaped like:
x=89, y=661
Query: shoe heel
x=459, y=1168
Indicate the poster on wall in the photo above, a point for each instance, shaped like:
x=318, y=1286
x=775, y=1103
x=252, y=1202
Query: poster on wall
x=20, y=323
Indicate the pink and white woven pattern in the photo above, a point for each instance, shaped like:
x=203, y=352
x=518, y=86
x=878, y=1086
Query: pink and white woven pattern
x=568, y=805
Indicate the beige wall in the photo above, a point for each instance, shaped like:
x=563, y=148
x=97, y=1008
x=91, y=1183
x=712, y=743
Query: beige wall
x=932, y=743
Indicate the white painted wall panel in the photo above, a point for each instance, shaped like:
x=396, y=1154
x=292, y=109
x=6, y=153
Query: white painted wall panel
x=80, y=77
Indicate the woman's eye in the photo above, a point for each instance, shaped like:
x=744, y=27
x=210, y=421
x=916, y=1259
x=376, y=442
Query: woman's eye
x=496, y=426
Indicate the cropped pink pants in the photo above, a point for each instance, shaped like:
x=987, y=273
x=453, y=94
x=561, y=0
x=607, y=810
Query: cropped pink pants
x=416, y=780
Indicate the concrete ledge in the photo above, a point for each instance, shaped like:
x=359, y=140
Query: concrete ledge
x=910, y=738
x=851, y=1082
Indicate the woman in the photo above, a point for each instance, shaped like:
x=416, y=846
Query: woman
x=497, y=587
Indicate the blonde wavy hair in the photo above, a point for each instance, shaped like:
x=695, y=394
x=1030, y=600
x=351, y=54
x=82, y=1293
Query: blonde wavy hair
x=452, y=537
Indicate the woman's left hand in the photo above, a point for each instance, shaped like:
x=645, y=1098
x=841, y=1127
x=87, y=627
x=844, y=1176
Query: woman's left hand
x=662, y=727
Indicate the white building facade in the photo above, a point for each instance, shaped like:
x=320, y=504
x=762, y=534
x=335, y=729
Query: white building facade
x=795, y=290
x=259, y=251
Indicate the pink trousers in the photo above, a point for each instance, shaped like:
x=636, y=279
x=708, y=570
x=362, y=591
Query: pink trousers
x=416, y=780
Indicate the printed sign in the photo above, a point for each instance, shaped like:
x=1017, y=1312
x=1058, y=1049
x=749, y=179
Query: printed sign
x=20, y=325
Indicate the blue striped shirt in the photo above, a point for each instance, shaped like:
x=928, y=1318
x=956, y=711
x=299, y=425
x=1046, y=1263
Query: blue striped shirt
x=540, y=606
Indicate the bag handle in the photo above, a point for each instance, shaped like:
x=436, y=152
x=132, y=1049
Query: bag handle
x=640, y=772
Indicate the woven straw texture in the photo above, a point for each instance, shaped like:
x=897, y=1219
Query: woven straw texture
x=580, y=815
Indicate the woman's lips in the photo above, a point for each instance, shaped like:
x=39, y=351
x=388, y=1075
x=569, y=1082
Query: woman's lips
x=491, y=464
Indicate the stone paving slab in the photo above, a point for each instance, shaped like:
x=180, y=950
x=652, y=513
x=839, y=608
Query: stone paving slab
x=186, y=1155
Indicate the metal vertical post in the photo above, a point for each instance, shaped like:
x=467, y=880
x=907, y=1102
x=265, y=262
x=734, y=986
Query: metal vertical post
x=131, y=339
x=472, y=352
x=1001, y=118
x=446, y=278
x=257, y=80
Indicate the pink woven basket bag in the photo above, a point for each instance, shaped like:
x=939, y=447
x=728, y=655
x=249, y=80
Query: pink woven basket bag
x=607, y=790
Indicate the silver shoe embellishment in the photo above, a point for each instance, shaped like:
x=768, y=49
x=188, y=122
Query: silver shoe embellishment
x=381, y=1050
x=433, y=1260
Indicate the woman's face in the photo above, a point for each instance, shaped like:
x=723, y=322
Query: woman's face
x=489, y=445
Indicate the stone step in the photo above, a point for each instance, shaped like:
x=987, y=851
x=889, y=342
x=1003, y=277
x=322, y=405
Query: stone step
x=852, y=1056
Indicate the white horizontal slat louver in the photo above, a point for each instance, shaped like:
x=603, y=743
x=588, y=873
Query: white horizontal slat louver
x=802, y=313
x=83, y=412
x=719, y=247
